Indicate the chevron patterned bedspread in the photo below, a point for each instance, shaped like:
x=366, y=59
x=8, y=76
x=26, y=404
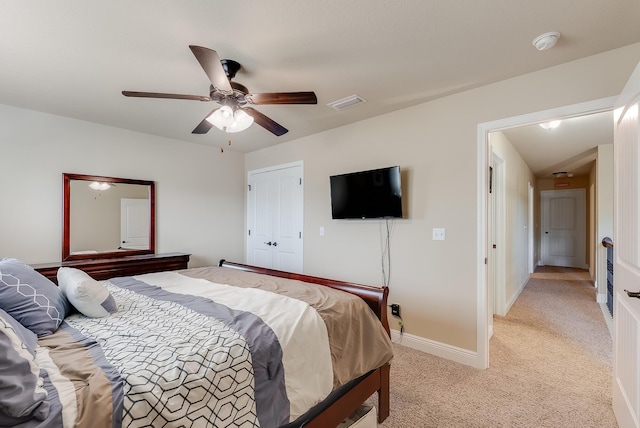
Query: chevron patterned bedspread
x=184, y=351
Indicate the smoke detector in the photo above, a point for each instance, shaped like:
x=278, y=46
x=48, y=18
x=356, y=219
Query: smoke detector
x=546, y=41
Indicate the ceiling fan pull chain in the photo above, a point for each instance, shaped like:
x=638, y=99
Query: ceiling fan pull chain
x=222, y=147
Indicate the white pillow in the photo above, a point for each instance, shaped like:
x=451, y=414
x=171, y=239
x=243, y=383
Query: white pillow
x=85, y=293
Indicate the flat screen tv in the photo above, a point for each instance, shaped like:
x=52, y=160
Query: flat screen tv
x=375, y=193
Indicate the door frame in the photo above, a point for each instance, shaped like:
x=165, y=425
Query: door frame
x=532, y=257
x=498, y=264
x=574, y=110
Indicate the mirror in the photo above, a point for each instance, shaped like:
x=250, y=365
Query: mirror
x=107, y=217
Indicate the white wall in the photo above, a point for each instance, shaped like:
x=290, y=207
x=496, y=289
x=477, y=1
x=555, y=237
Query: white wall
x=199, y=191
x=436, y=145
x=604, y=213
x=517, y=177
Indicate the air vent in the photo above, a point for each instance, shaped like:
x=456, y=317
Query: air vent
x=347, y=102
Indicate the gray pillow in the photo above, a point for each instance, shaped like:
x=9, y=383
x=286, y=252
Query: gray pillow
x=30, y=298
x=22, y=393
x=28, y=337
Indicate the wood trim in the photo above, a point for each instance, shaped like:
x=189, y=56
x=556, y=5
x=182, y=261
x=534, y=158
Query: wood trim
x=376, y=381
x=101, y=269
x=66, y=222
x=347, y=404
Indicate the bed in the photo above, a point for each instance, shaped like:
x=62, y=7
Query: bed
x=226, y=345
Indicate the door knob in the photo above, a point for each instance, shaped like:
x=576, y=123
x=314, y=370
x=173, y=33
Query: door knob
x=275, y=244
x=268, y=243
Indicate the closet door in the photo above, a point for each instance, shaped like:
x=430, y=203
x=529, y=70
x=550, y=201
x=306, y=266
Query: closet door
x=275, y=218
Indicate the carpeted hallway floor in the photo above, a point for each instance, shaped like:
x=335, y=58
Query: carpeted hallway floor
x=550, y=366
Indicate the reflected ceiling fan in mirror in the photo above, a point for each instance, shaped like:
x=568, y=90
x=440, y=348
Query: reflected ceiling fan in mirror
x=234, y=115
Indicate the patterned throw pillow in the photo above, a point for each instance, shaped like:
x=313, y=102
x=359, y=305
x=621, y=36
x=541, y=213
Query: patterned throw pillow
x=22, y=395
x=30, y=298
x=85, y=293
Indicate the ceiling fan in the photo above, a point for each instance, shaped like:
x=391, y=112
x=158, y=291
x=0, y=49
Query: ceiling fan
x=234, y=115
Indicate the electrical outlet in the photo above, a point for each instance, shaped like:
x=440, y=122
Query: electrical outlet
x=395, y=309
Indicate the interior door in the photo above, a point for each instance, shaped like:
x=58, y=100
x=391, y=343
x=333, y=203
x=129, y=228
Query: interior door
x=134, y=224
x=275, y=218
x=626, y=270
x=563, y=227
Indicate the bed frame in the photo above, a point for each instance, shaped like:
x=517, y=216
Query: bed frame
x=340, y=406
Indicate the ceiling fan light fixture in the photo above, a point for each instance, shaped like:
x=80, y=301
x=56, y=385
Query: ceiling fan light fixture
x=241, y=121
x=227, y=120
x=221, y=118
x=99, y=185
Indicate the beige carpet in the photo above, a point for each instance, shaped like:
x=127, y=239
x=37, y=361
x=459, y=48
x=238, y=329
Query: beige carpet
x=550, y=366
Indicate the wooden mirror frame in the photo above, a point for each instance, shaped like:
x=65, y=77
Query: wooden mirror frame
x=66, y=221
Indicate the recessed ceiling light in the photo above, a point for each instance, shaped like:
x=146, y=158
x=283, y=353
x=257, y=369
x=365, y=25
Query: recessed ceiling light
x=550, y=125
x=546, y=41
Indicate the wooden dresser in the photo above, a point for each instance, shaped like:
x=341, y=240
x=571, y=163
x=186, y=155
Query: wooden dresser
x=106, y=268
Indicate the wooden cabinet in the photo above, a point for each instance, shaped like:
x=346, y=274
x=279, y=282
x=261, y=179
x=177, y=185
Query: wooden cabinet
x=101, y=269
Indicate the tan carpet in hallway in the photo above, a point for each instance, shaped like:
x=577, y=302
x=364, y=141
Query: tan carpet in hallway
x=550, y=366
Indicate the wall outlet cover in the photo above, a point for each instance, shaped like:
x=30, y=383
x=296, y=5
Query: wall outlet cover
x=438, y=234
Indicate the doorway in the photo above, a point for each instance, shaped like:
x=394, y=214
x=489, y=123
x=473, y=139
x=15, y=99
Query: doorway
x=483, y=312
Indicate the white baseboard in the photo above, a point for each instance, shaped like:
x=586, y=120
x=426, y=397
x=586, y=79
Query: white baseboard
x=601, y=298
x=514, y=297
x=453, y=353
x=607, y=316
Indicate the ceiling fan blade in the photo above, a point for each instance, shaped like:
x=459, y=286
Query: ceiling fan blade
x=204, y=126
x=210, y=63
x=161, y=95
x=283, y=98
x=267, y=123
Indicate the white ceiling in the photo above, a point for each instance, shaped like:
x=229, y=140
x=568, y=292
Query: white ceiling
x=570, y=148
x=74, y=57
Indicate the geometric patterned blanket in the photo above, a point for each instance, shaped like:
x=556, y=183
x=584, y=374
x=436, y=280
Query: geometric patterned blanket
x=207, y=347
x=185, y=361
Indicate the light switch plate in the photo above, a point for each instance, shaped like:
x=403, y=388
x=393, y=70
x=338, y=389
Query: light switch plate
x=438, y=234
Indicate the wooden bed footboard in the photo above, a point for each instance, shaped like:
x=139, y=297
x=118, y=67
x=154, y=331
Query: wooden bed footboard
x=375, y=297
x=376, y=381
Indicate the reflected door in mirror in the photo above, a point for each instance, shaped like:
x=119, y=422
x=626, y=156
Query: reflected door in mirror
x=134, y=224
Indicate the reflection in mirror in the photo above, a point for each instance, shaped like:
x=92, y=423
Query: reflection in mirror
x=107, y=217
